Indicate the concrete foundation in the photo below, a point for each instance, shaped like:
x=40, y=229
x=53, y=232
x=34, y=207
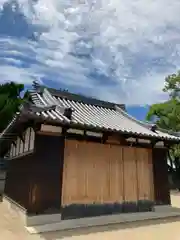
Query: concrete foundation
x=53, y=222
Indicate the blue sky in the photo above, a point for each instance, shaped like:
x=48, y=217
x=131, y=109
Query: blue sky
x=115, y=50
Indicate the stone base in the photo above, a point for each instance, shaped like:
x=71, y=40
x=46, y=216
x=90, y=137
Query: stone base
x=165, y=208
x=102, y=221
x=30, y=220
x=16, y=209
x=53, y=222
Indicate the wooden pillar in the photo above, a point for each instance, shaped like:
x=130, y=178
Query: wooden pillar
x=62, y=149
x=46, y=180
x=160, y=172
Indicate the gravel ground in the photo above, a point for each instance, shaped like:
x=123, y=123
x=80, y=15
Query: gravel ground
x=11, y=229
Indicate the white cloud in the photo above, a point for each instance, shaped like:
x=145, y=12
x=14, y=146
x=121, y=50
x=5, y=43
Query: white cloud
x=12, y=73
x=132, y=46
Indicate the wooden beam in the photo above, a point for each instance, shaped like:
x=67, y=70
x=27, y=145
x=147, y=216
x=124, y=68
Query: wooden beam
x=131, y=140
x=64, y=131
x=50, y=128
x=160, y=144
x=36, y=126
x=141, y=140
x=75, y=131
x=153, y=143
x=22, y=136
x=114, y=139
x=62, y=150
x=48, y=133
x=14, y=143
x=104, y=138
x=94, y=134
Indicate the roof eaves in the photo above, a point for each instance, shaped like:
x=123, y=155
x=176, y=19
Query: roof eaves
x=149, y=126
x=64, y=122
x=171, y=134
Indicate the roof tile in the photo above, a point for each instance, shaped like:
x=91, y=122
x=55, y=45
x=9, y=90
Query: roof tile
x=95, y=116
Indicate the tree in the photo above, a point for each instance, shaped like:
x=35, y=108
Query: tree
x=172, y=85
x=10, y=99
x=167, y=115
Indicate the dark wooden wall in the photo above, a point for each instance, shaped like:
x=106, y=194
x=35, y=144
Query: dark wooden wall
x=161, y=183
x=34, y=181
x=17, y=180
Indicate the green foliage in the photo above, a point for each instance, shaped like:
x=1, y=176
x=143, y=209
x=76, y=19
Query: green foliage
x=10, y=99
x=172, y=85
x=167, y=114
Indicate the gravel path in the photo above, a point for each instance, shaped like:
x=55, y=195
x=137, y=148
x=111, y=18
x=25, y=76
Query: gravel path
x=11, y=229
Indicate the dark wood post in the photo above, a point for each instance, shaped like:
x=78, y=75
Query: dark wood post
x=160, y=171
x=47, y=175
x=62, y=149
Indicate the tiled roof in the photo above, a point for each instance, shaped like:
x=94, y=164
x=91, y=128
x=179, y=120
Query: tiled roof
x=91, y=115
